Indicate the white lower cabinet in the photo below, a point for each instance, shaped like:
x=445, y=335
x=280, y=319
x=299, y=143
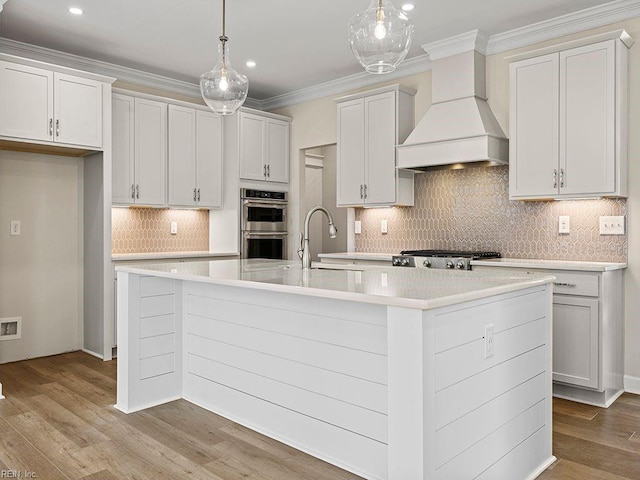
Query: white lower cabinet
x=588, y=326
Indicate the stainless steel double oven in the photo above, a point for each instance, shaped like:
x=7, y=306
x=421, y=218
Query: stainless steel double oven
x=263, y=224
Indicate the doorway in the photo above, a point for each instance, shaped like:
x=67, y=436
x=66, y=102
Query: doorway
x=320, y=189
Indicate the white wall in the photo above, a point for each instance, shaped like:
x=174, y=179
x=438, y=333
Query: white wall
x=41, y=271
x=314, y=123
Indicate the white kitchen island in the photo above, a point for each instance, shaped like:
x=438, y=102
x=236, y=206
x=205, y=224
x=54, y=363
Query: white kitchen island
x=390, y=373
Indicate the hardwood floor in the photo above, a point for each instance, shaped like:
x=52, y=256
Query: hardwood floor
x=58, y=422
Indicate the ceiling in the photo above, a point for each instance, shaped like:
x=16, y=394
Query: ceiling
x=296, y=43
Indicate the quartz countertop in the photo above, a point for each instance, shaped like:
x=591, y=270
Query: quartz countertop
x=550, y=264
x=381, y=257
x=170, y=255
x=402, y=287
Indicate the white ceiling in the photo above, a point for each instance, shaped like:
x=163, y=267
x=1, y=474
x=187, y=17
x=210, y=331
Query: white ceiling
x=296, y=43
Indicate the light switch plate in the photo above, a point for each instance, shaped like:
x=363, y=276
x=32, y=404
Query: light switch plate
x=174, y=228
x=384, y=226
x=357, y=227
x=16, y=228
x=563, y=224
x=612, y=225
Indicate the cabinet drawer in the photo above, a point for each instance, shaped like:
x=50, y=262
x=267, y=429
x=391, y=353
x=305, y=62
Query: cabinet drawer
x=576, y=283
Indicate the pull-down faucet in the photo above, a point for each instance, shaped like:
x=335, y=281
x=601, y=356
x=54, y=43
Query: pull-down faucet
x=304, y=252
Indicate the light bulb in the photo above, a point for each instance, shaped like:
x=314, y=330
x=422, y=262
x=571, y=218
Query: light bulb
x=380, y=32
x=224, y=84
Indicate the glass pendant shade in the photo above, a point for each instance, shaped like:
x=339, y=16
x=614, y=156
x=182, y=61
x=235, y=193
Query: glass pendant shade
x=380, y=36
x=224, y=89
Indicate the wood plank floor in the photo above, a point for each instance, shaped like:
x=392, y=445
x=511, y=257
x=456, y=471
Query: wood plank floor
x=58, y=422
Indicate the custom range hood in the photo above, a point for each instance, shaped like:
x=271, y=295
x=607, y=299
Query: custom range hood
x=459, y=129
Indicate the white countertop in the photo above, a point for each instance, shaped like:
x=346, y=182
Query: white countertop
x=550, y=264
x=403, y=287
x=382, y=257
x=170, y=255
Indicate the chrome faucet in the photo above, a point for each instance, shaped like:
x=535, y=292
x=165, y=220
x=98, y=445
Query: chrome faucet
x=303, y=251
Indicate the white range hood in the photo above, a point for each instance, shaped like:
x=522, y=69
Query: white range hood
x=459, y=128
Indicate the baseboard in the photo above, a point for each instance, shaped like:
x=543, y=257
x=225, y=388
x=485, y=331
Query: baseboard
x=632, y=384
x=550, y=461
x=93, y=353
x=146, y=405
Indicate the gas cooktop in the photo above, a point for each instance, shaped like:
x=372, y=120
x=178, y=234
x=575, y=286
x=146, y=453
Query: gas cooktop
x=451, y=259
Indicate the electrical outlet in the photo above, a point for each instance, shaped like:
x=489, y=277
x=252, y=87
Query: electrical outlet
x=612, y=225
x=563, y=224
x=174, y=228
x=488, y=341
x=16, y=228
x=384, y=226
x=357, y=227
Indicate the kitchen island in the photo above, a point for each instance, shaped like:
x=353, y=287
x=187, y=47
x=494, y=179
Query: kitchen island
x=389, y=373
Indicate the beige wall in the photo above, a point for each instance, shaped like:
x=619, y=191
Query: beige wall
x=41, y=271
x=314, y=124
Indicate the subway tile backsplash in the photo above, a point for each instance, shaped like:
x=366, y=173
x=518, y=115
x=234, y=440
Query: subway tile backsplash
x=148, y=230
x=469, y=209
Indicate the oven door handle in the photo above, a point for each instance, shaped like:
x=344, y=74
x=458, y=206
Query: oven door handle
x=251, y=203
x=265, y=234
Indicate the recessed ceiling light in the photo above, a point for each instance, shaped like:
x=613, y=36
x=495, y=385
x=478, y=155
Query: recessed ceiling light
x=76, y=11
x=407, y=7
x=251, y=63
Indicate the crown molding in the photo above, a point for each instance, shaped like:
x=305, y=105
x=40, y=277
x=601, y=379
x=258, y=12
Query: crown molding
x=594, y=17
x=589, y=18
x=419, y=64
x=465, y=42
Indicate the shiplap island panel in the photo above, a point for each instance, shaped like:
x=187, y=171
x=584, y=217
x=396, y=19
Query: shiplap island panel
x=376, y=371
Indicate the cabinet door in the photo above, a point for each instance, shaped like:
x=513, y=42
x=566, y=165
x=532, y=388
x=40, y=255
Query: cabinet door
x=123, y=180
x=587, y=119
x=533, y=127
x=151, y=152
x=350, y=153
x=277, y=150
x=182, y=156
x=26, y=102
x=77, y=110
x=575, y=341
x=209, y=159
x=380, y=148
x=252, y=146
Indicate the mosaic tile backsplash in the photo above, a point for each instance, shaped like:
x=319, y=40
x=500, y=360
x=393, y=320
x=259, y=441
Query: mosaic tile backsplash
x=148, y=230
x=469, y=209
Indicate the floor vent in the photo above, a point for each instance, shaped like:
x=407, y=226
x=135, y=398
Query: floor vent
x=10, y=328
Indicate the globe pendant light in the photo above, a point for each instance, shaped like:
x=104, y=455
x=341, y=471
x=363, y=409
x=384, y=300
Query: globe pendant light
x=224, y=89
x=380, y=36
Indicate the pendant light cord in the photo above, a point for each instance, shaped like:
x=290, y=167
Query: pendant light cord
x=224, y=38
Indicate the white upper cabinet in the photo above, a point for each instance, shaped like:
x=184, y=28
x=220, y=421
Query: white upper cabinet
x=195, y=158
x=139, y=151
x=370, y=125
x=264, y=148
x=41, y=105
x=568, y=123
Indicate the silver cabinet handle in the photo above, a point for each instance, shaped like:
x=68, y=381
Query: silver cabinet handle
x=58, y=128
x=361, y=190
x=564, y=284
x=198, y=194
x=194, y=194
x=555, y=178
x=51, y=127
x=268, y=171
x=562, y=178
x=365, y=191
x=264, y=171
x=137, y=191
x=133, y=191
